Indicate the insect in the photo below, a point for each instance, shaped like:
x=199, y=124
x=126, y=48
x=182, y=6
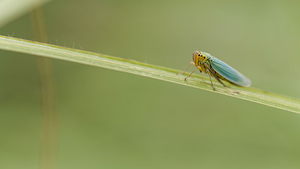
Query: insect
x=217, y=69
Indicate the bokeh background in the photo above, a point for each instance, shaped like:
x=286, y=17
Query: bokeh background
x=110, y=119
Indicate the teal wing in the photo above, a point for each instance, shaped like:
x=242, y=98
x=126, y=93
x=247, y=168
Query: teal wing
x=229, y=73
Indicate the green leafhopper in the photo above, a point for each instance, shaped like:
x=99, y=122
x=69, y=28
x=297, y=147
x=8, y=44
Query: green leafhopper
x=217, y=69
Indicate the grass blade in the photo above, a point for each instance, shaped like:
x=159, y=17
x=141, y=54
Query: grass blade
x=143, y=69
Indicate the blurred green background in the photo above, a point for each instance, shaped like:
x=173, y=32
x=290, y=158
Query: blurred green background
x=110, y=119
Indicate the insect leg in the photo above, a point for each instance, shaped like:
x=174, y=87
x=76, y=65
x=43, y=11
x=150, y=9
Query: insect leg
x=191, y=63
x=207, y=71
x=221, y=82
x=216, y=77
x=191, y=73
x=202, y=75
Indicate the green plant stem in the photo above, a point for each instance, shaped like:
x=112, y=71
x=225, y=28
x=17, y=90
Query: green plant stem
x=48, y=150
x=147, y=70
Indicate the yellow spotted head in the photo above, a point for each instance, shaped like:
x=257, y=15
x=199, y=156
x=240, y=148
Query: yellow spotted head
x=199, y=56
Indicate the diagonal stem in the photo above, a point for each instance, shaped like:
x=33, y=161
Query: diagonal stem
x=147, y=70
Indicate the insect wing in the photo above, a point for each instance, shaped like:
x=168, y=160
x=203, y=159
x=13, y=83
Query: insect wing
x=229, y=73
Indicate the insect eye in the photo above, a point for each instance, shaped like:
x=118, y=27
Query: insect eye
x=198, y=54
